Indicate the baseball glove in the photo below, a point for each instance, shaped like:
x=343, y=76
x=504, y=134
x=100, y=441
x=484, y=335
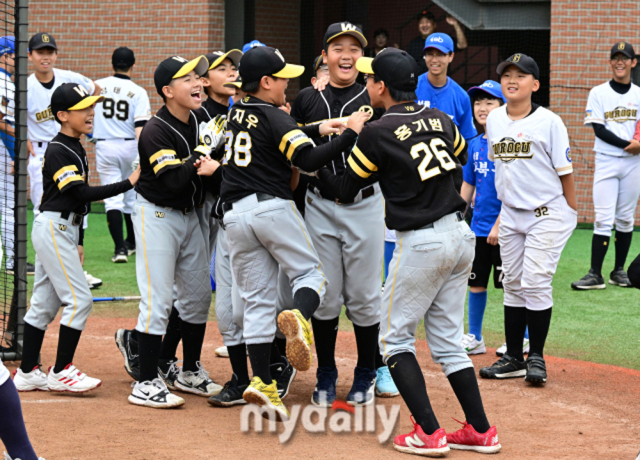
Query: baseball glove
x=212, y=135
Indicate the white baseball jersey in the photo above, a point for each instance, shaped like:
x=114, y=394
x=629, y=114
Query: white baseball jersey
x=7, y=96
x=617, y=112
x=125, y=104
x=40, y=123
x=530, y=155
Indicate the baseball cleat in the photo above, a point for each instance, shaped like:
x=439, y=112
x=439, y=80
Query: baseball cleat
x=324, y=393
x=419, y=443
x=120, y=257
x=589, y=281
x=72, y=380
x=283, y=374
x=385, y=386
x=222, y=352
x=154, y=394
x=36, y=380
x=505, y=368
x=131, y=248
x=198, y=382
x=230, y=395
x=619, y=278
x=168, y=371
x=362, y=390
x=536, y=369
x=7, y=457
x=92, y=281
x=125, y=343
x=503, y=349
x=266, y=396
x=468, y=438
x=299, y=338
x=473, y=346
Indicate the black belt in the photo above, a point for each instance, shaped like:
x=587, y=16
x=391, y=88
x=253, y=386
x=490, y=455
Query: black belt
x=40, y=144
x=127, y=139
x=459, y=217
x=366, y=193
x=226, y=206
x=77, y=218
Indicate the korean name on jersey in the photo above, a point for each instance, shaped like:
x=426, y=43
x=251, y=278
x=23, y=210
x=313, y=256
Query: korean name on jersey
x=125, y=103
x=617, y=112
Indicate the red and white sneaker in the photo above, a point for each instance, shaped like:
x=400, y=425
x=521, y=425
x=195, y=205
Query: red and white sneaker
x=419, y=443
x=72, y=380
x=469, y=439
x=36, y=380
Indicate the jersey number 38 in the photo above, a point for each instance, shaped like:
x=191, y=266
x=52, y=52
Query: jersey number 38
x=429, y=151
x=241, y=150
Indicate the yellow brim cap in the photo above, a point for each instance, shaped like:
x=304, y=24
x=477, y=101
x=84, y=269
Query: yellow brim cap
x=233, y=55
x=235, y=84
x=87, y=102
x=290, y=71
x=365, y=65
x=199, y=65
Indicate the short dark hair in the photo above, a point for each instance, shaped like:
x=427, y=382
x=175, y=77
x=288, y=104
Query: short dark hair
x=381, y=32
x=481, y=96
x=121, y=68
x=427, y=14
x=396, y=94
x=253, y=86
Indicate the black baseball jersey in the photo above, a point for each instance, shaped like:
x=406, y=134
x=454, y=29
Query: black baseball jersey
x=166, y=149
x=209, y=110
x=263, y=142
x=65, y=174
x=315, y=107
x=414, y=150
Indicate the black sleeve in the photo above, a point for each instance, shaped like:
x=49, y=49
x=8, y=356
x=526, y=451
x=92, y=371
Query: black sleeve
x=140, y=123
x=607, y=136
x=85, y=193
x=212, y=183
x=310, y=158
x=177, y=179
x=345, y=187
x=81, y=236
x=311, y=130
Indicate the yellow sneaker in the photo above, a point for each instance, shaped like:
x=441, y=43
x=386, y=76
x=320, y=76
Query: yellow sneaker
x=266, y=396
x=299, y=338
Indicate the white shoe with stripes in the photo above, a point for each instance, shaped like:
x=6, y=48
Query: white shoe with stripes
x=72, y=380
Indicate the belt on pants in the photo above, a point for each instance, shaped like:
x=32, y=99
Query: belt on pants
x=260, y=196
x=77, y=218
x=127, y=139
x=459, y=217
x=366, y=193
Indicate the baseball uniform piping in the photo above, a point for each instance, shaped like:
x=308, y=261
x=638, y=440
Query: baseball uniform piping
x=75, y=302
x=146, y=264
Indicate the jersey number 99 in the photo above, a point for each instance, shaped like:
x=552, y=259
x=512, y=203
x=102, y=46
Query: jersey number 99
x=429, y=150
x=241, y=148
x=119, y=109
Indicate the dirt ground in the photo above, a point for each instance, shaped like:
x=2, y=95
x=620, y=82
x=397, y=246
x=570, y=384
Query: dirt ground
x=585, y=411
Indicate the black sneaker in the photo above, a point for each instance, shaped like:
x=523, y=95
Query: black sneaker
x=283, y=374
x=505, y=368
x=230, y=395
x=129, y=349
x=619, y=277
x=31, y=270
x=590, y=281
x=536, y=369
x=168, y=371
x=120, y=257
x=131, y=247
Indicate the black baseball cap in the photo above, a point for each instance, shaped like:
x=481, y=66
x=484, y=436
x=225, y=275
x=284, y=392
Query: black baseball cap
x=123, y=57
x=176, y=67
x=71, y=96
x=396, y=68
x=623, y=48
x=264, y=60
x=235, y=84
x=216, y=58
x=317, y=62
x=42, y=40
x=522, y=62
x=343, y=28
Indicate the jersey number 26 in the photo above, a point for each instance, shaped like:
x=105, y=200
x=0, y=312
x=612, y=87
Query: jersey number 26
x=242, y=148
x=429, y=151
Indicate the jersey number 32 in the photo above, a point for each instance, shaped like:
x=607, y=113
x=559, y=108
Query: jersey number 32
x=429, y=151
x=241, y=150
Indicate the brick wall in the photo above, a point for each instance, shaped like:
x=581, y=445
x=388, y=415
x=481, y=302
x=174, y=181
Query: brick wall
x=582, y=34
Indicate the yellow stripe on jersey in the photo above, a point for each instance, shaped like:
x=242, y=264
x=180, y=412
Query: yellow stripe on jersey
x=160, y=153
x=463, y=143
x=295, y=145
x=287, y=137
x=358, y=170
x=64, y=182
x=364, y=160
x=63, y=170
x=202, y=149
x=457, y=139
x=564, y=168
x=158, y=167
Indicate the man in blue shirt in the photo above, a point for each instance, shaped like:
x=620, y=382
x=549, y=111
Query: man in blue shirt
x=479, y=177
x=437, y=90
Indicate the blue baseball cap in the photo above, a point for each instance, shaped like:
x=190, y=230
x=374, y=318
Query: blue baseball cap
x=252, y=44
x=490, y=87
x=439, y=41
x=7, y=45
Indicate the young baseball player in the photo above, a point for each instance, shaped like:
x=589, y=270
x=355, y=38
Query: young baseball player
x=534, y=181
x=263, y=226
x=57, y=237
x=171, y=244
x=612, y=111
x=118, y=124
x=348, y=235
x=415, y=149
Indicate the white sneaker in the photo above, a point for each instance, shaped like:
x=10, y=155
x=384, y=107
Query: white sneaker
x=222, y=352
x=503, y=349
x=92, y=281
x=154, y=394
x=6, y=457
x=36, y=380
x=197, y=382
x=473, y=346
x=72, y=380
